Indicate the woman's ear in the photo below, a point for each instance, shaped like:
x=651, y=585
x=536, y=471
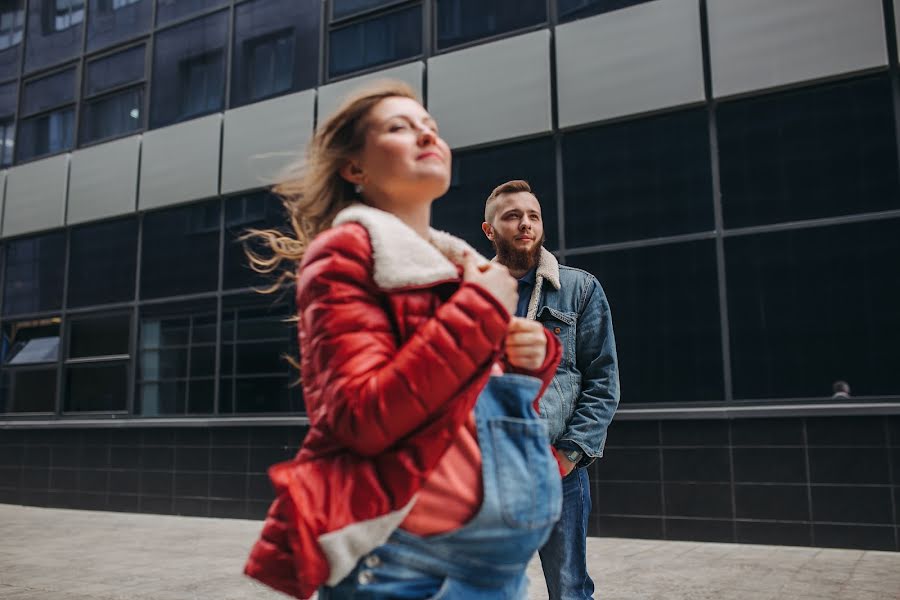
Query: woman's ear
x=352, y=172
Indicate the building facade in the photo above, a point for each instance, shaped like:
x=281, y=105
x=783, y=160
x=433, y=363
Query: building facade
x=729, y=169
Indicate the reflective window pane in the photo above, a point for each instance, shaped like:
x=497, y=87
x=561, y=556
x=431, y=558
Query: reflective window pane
x=116, y=70
x=809, y=153
x=255, y=375
x=7, y=141
x=102, y=262
x=665, y=309
x=111, y=116
x=99, y=335
x=638, y=179
x=476, y=173
x=171, y=10
x=29, y=390
x=461, y=21
x=814, y=306
x=344, y=8
x=12, y=25
x=578, y=9
x=189, y=70
x=111, y=21
x=276, y=49
x=49, y=133
x=49, y=92
x=180, y=250
x=96, y=388
x=8, y=99
x=54, y=32
x=34, y=274
x=30, y=342
x=380, y=40
x=251, y=211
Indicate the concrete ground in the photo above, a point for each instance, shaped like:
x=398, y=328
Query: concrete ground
x=50, y=554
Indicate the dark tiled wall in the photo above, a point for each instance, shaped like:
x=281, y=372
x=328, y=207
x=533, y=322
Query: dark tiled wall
x=817, y=481
x=830, y=481
x=217, y=472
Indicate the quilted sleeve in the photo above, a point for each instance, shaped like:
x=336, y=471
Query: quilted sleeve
x=372, y=392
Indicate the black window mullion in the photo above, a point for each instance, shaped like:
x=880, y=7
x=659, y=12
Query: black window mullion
x=63, y=331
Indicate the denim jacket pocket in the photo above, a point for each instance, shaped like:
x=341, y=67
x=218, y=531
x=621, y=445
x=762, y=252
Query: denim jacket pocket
x=527, y=478
x=563, y=325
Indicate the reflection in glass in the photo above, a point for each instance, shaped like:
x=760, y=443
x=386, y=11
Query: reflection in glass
x=579, y=9
x=343, y=8
x=111, y=21
x=102, y=262
x=665, y=307
x=50, y=133
x=112, y=71
x=461, y=21
x=387, y=38
x=48, y=92
x=171, y=10
x=34, y=274
x=31, y=342
x=811, y=307
x=54, y=32
x=260, y=211
x=112, y=116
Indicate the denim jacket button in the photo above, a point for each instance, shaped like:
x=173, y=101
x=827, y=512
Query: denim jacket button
x=557, y=330
x=366, y=577
x=372, y=561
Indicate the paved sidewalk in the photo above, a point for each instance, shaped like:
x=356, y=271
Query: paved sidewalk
x=49, y=554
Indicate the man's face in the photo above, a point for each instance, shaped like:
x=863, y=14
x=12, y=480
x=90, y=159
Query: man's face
x=517, y=230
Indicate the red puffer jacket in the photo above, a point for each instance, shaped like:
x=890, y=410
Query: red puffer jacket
x=395, y=349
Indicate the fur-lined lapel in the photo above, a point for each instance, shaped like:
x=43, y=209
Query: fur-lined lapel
x=548, y=270
x=401, y=257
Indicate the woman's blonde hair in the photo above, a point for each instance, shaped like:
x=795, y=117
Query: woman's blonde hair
x=312, y=189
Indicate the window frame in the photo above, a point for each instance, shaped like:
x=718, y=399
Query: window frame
x=136, y=84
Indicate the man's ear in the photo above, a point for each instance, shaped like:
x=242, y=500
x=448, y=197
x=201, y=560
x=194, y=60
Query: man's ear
x=352, y=172
x=488, y=230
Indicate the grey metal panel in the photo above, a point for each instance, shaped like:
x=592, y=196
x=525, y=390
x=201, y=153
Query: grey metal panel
x=493, y=91
x=331, y=95
x=260, y=139
x=757, y=44
x=36, y=196
x=180, y=163
x=103, y=180
x=638, y=59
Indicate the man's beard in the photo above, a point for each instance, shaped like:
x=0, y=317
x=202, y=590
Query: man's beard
x=515, y=259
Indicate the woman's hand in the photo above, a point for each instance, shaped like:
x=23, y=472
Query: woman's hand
x=495, y=278
x=526, y=344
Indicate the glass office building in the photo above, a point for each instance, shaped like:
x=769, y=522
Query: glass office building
x=728, y=169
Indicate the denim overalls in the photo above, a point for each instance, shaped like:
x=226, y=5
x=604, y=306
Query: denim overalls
x=485, y=558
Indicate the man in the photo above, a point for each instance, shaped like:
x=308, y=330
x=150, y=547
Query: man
x=580, y=403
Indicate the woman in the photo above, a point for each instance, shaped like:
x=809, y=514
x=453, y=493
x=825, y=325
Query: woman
x=404, y=486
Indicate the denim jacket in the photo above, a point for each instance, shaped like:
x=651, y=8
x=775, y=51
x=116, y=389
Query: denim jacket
x=580, y=402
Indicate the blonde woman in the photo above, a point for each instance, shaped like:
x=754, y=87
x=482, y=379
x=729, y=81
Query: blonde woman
x=425, y=472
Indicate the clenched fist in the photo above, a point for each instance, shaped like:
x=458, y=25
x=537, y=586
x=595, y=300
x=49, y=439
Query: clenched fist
x=526, y=344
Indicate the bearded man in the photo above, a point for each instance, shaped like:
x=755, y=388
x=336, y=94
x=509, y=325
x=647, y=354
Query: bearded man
x=580, y=403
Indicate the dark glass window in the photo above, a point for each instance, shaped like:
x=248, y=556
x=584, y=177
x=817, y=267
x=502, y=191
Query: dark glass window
x=180, y=250
x=256, y=377
x=34, y=274
x=476, y=173
x=97, y=365
x=814, y=306
x=111, y=21
x=461, y=21
x=54, y=32
x=189, y=70
x=102, y=262
x=259, y=210
x=665, y=309
x=52, y=128
x=639, y=179
x=7, y=141
x=12, y=24
x=345, y=8
x=379, y=40
x=176, y=367
x=120, y=111
x=28, y=362
x=276, y=49
x=578, y=9
x=171, y=10
x=816, y=152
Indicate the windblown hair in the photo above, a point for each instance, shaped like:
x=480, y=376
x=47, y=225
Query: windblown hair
x=510, y=187
x=312, y=189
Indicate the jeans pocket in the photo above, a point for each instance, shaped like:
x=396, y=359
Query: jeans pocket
x=528, y=482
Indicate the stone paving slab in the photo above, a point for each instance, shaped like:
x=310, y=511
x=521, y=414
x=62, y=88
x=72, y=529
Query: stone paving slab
x=51, y=554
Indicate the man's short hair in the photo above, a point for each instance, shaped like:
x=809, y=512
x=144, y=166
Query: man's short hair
x=510, y=187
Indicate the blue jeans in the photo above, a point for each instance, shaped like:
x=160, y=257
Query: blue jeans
x=564, y=556
x=485, y=559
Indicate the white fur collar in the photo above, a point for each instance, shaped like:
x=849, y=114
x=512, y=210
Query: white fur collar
x=548, y=268
x=402, y=258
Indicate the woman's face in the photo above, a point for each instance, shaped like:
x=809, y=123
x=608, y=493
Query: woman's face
x=403, y=157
